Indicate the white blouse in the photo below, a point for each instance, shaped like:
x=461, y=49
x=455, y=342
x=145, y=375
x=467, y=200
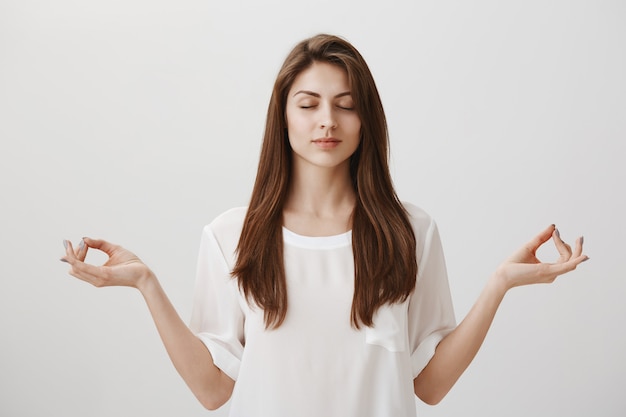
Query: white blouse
x=316, y=364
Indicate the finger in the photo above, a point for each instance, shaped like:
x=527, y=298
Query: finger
x=540, y=239
x=565, y=250
x=81, y=251
x=578, y=248
x=562, y=268
x=71, y=258
x=100, y=244
x=95, y=275
x=71, y=255
x=83, y=276
x=92, y=272
x=69, y=250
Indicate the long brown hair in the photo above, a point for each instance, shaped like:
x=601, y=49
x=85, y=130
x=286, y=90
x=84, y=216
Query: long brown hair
x=383, y=242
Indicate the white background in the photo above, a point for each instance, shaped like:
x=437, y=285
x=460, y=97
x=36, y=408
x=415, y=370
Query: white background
x=139, y=121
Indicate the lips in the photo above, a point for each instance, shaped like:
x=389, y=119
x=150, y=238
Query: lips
x=326, y=143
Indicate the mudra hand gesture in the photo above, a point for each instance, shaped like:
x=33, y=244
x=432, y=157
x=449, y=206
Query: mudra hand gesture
x=123, y=268
x=523, y=267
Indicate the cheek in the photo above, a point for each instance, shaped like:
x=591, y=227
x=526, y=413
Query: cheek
x=355, y=127
x=294, y=131
x=296, y=123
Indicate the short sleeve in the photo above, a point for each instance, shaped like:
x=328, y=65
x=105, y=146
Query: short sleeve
x=217, y=318
x=431, y=313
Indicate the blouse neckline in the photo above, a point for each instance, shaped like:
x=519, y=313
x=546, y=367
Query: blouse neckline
x=317, y=242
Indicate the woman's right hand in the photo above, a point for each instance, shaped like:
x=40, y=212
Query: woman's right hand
x=189, y=355
x=123, y=268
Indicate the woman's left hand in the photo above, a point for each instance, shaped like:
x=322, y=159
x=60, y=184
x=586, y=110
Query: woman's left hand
x=523, y=267
x=455, y=352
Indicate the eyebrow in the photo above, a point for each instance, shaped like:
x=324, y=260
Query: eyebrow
x=314, y=94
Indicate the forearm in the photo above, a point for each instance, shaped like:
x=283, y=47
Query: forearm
x=457, y=350
x=190, y=357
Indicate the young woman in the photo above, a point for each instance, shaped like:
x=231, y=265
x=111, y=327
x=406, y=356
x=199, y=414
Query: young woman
x=326, y=296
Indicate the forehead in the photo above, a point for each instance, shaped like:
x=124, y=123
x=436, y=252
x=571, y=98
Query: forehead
x=322, y=78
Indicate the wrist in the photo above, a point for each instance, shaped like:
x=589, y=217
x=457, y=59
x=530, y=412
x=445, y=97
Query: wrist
x=498, y=284
x=147, y=282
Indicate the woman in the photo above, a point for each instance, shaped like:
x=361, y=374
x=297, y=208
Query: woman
x=326, y=295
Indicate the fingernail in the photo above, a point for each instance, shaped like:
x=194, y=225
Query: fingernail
x=81, y=244
x=64, y=260
x=582, y=240
x=65, y=243
x=558, y=234
x=585, y=260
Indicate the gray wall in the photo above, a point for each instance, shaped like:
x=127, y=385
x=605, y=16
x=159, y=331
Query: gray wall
x=140, y=121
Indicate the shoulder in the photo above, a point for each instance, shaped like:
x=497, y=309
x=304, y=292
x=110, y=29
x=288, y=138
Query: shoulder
x=226, y=227
x=420, y=219
x=229, y=219
x=424, y=228
x=221, y=236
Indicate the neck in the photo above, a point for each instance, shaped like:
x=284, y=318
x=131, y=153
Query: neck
x=320, y=200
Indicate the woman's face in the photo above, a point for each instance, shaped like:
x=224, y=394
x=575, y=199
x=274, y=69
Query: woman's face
x=323, y=126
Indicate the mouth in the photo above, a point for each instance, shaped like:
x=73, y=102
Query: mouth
x=326, y=140
x=326, y=143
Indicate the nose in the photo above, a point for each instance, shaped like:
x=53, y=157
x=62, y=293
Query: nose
x=328, y=120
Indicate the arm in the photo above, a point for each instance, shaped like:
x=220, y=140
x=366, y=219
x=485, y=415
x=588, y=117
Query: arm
x=456, y=351
x=189, y=355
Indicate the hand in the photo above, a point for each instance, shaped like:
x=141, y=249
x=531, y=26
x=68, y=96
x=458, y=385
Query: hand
x=523, y=268
x=123, y=268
